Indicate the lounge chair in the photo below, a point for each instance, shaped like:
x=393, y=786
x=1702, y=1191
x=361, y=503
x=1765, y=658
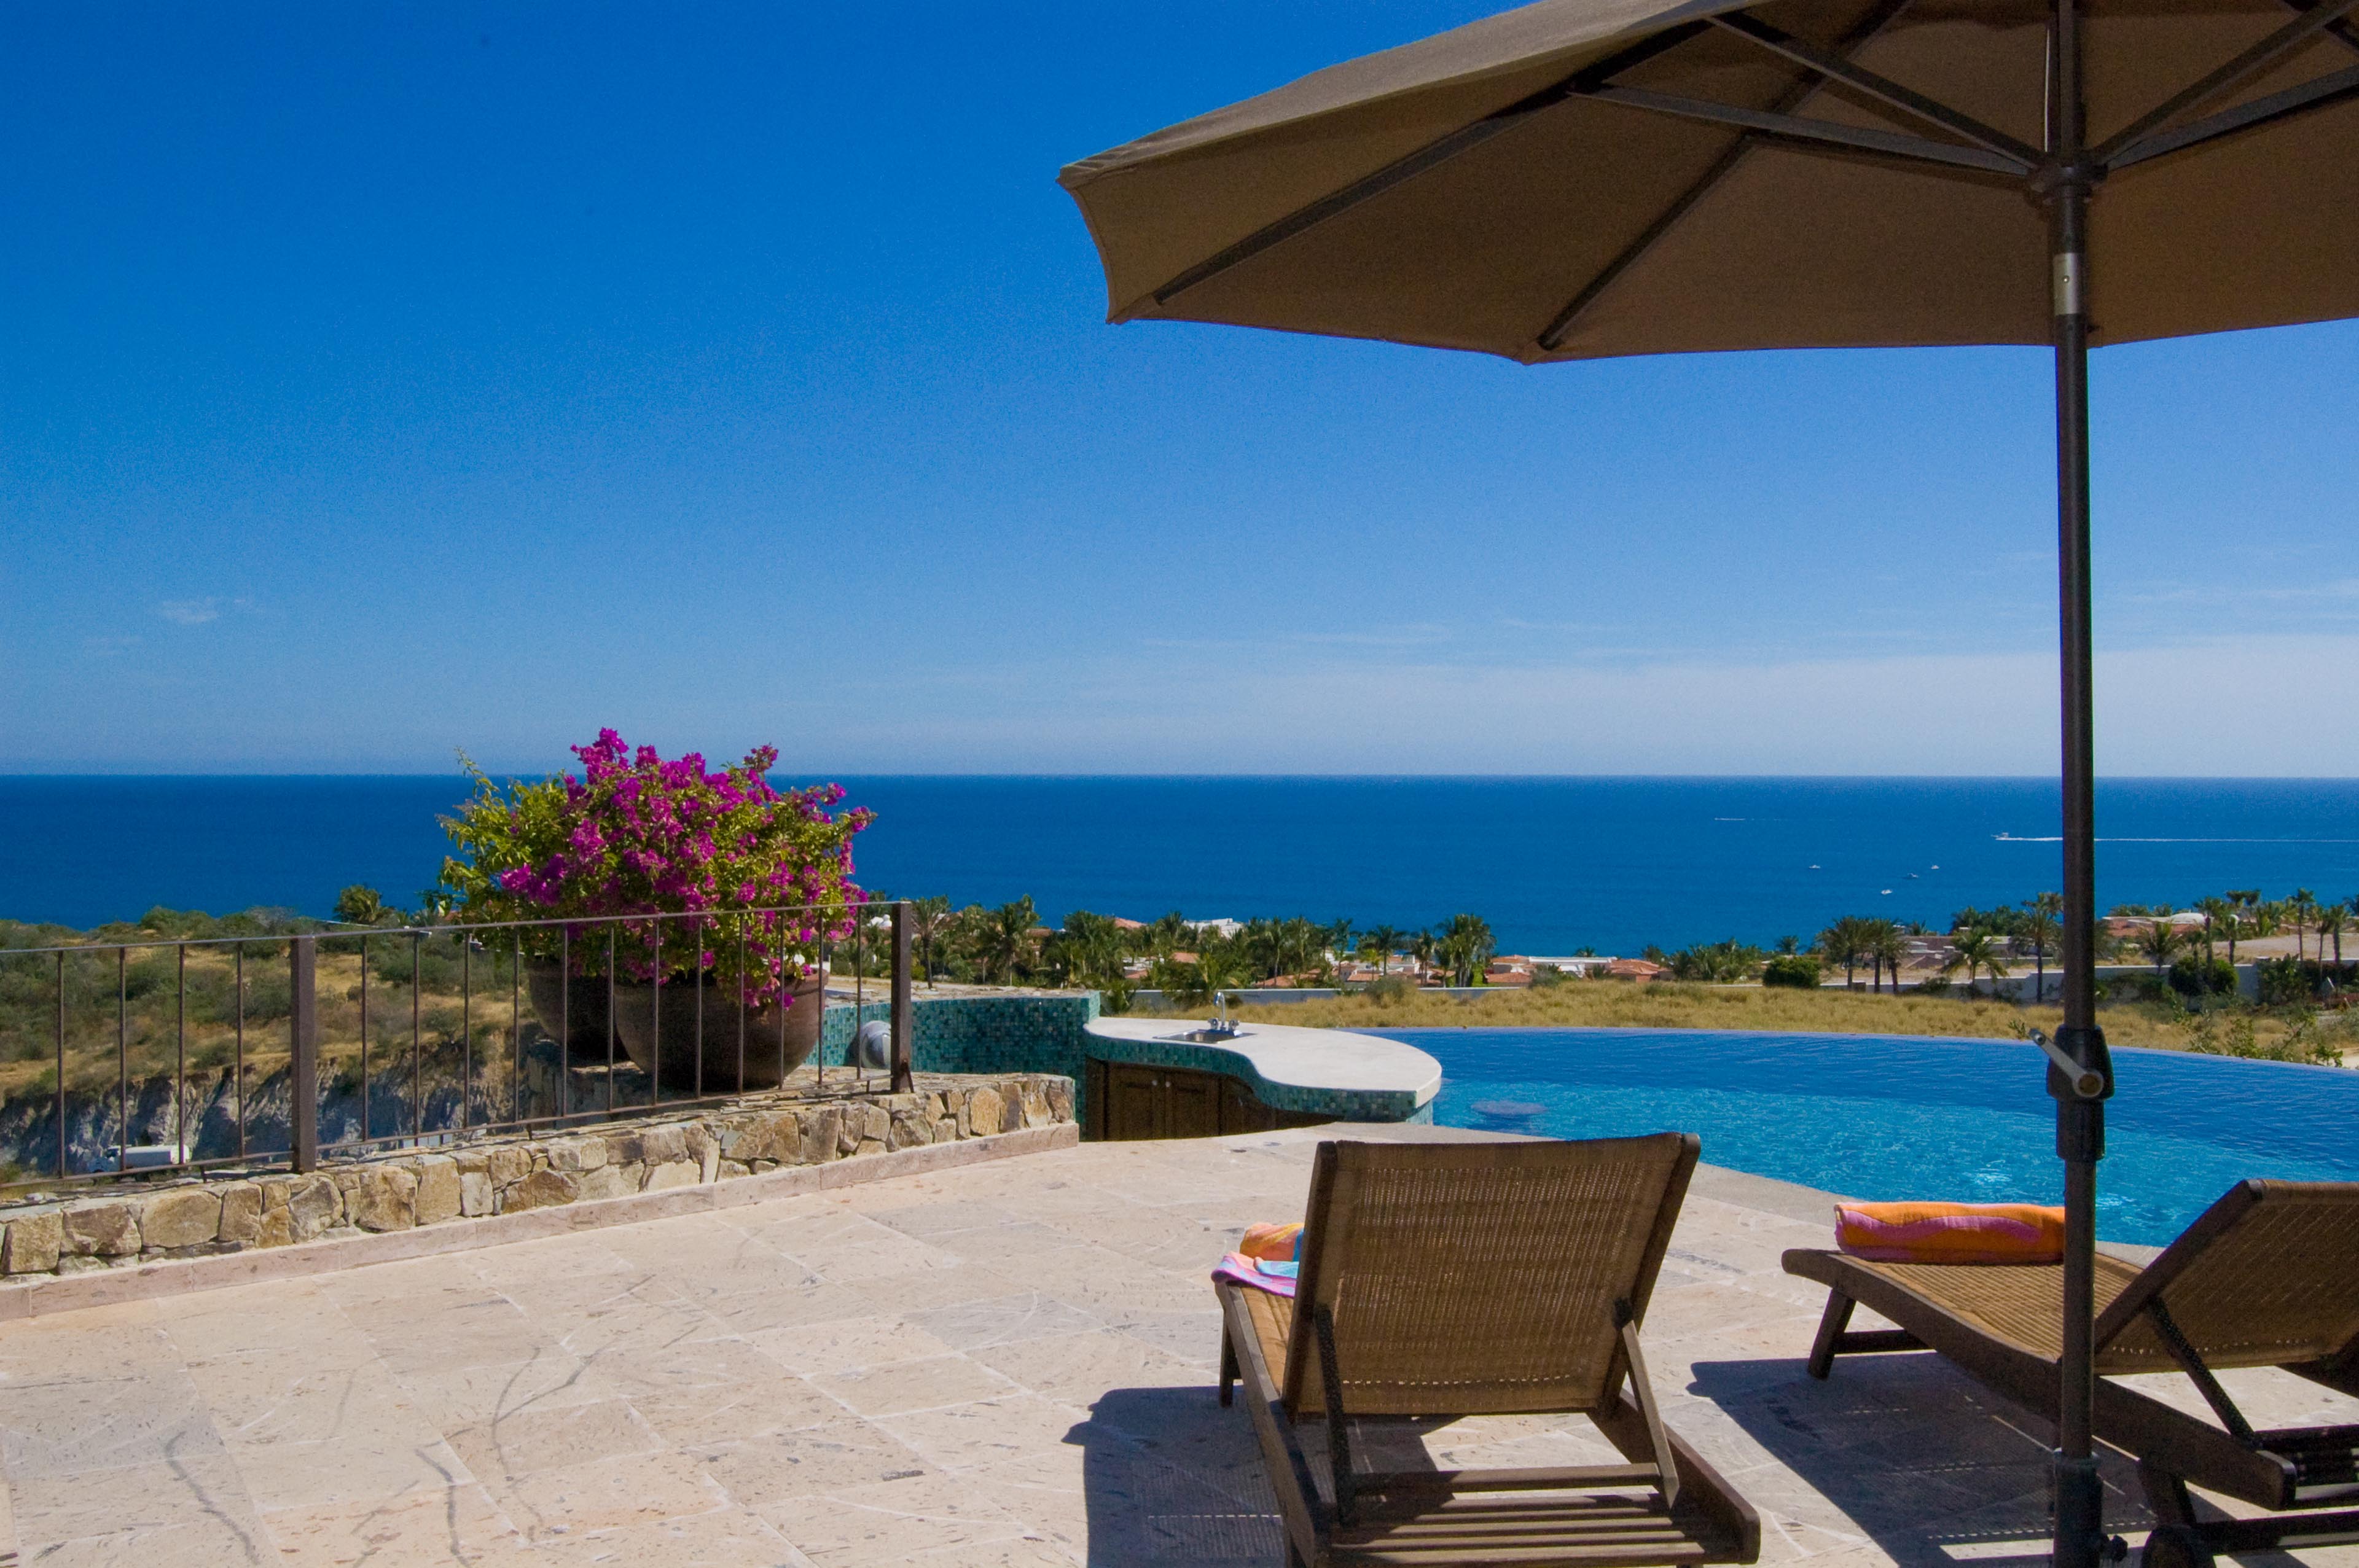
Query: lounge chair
x=1451, y=1280
x=2269, y=1276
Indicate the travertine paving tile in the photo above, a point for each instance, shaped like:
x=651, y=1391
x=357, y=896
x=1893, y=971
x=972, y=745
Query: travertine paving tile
x=606, y=1493
x=1077, y=1367
x=1002, y=1320
x=848, y=1453
x=906, y=1385
x=456, y=1525
x=842, y=1344
x=890, y=1522
x=1008, y=1364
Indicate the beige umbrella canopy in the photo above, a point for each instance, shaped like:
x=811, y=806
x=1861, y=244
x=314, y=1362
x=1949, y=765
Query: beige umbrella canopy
x=1531, y=185
x=1583, y=178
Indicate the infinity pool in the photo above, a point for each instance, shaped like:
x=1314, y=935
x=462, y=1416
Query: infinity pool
x=1892, y=1117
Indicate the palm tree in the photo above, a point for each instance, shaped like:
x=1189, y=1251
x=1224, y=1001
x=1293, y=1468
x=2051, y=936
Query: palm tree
x=2332, y=918
x=1421, y=947
x=1840, y=943
x=2217, y=913
x=2304, y=905
x=2161, y=941
x=2269, y=918
x=1004, y=942
x=1166, y=935
x=1090, y=950
x=2243, y=902
x=1380, y=941
x=1977, y=952
x=929, y=919
x=2041, y=932
x=1465, y=945
x=1889, y=948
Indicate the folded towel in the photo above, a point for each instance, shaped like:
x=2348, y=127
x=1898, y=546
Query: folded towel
x=1267, y=1259
x=1260, y=1273
x=1951, y=1232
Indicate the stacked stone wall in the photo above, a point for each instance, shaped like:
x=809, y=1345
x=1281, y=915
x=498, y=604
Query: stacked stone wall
x=193, y=1218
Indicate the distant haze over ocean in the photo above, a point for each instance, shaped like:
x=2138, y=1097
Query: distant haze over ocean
x=1553, y=864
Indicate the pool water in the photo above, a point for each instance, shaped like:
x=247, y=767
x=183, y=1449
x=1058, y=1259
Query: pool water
x=1893, y=1117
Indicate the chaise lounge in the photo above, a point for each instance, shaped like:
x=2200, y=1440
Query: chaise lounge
x=2269, y=1276
x=1441, y=1281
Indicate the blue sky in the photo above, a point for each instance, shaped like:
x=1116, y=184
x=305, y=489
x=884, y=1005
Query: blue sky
x=381, y=380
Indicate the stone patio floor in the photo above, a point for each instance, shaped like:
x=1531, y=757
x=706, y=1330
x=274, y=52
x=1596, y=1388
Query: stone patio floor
x=1008, y=1363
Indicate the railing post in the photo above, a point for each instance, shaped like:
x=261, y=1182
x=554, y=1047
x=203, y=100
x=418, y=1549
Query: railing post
x=303, y=1030
x=902, y=1081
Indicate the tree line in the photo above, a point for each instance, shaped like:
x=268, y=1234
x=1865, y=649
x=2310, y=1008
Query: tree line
x=1187, y=961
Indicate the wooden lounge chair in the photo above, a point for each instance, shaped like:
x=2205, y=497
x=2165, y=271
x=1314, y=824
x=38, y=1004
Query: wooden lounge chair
x=1480, y=1279
x=2269, y=1276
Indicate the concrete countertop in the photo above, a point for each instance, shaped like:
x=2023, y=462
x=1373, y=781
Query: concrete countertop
x=1297, y=1067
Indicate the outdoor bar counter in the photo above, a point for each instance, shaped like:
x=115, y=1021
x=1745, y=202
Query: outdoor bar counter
x=1162, y=1077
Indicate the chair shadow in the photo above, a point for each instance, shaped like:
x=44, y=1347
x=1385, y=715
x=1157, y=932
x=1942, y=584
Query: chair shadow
x=1929, y=1466
x=1172, y=1477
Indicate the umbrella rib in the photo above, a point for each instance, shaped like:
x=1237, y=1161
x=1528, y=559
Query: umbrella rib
x=1883, y=88
x=2321, y=93
x=1431, y=156
x=1921, y=150
x=1552, y=336
x=2261, y=57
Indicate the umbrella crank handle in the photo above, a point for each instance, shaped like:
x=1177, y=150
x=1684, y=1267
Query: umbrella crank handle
x=2086, y=1082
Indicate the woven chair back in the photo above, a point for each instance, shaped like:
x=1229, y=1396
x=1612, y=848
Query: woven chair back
x=1471, y=1279
x=2268, y=1275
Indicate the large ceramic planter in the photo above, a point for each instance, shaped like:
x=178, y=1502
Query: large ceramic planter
x=777, y=1039
x=581, y=1017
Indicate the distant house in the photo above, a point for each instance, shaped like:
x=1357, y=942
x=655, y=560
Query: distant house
x=1224, y=926
x=1632, y=970
x=1583, y=964
x=1122, y=924
x=1514, y=969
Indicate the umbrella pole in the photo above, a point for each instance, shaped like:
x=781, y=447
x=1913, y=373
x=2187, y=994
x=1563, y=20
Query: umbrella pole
x=2080, y=1540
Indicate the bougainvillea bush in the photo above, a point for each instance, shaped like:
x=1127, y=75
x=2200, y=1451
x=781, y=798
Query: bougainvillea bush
x=767, y=871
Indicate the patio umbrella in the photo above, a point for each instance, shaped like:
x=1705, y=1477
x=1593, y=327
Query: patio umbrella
x=1583, y=178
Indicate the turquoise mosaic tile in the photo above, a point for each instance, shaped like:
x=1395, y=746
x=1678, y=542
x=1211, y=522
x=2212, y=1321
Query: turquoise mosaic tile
x=1051, y=1035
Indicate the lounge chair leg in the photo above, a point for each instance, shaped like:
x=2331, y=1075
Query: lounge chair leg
x=1228, y=1367
x=1831, y=1329
x=2166, y=1495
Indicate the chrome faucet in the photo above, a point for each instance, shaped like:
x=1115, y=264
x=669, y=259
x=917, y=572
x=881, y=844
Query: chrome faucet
x=1220, y=1022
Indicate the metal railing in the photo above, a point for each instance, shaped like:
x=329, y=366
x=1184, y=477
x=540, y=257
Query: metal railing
x=481, y=1053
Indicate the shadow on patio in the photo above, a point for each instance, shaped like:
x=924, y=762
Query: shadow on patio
x=1173, y=1479
x=1931, y=1467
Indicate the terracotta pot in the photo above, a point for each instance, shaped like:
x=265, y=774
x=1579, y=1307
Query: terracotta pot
x=777, y=1039
x=583, y=1014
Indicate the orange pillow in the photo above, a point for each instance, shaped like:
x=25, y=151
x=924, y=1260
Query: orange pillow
x=1951, y=1232
x=1277, y=1242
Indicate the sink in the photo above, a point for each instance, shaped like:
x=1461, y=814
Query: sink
x=1207, y=1036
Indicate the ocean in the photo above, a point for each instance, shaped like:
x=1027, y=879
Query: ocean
x=1554, y=864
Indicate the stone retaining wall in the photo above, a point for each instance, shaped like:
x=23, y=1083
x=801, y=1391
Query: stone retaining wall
x=195, y=1218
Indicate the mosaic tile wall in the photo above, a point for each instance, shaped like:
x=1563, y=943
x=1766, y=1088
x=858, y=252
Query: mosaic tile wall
x=1050, y=1034
x=983, y=1035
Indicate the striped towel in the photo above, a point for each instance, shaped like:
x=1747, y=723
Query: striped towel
x=1266, y=1260
x=1951, y=1232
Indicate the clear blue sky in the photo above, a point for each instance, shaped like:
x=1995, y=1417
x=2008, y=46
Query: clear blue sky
x=377, y=380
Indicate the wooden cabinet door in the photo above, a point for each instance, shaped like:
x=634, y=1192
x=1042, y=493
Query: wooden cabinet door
x=1240, y=1111
x=1194, y=1099
x=1136, y=1103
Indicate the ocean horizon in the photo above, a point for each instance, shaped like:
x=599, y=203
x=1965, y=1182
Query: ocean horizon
x=1555, y=864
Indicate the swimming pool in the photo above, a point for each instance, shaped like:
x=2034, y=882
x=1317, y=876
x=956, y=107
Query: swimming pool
x=1893, y=1117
